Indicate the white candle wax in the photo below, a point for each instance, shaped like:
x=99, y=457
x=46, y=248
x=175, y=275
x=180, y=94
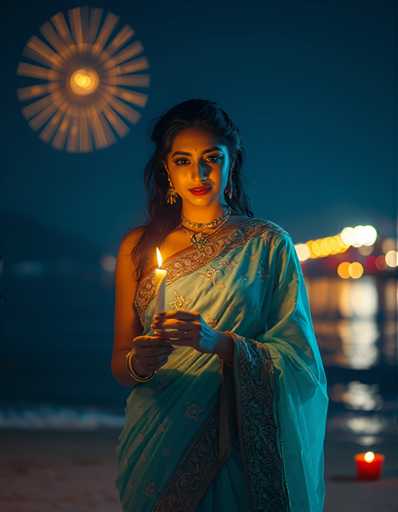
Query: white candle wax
x=160, y=305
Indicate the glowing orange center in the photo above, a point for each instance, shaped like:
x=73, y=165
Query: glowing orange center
x=84, y=81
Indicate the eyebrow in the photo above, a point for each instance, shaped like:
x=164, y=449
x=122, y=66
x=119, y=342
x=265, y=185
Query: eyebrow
x=205, y=151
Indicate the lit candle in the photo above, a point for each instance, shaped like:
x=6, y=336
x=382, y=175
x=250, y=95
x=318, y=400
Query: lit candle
x=369, y=465
x=160, y=274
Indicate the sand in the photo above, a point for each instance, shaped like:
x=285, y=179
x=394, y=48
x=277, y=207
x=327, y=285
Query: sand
x=75, y=471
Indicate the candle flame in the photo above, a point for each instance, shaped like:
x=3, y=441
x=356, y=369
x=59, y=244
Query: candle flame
x=159, y=257
x=369, y=456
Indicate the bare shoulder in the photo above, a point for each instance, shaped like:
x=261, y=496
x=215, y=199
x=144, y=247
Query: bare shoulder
x=130, y=240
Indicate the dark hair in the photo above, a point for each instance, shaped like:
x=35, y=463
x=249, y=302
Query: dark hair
x=163, y=218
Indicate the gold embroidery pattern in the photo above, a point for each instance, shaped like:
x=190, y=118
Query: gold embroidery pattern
x=257, y=427
x=191, y=259
x=210, y=274
x=195, y=471
x=179, y=302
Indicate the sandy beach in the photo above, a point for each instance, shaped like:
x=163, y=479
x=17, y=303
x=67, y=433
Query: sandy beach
x=75, y=471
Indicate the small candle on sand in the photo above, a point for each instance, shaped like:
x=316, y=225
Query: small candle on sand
x=160, y=274
x=369, y=465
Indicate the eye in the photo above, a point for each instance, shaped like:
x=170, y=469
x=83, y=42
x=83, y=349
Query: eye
x=179, y=160
x=215, y=158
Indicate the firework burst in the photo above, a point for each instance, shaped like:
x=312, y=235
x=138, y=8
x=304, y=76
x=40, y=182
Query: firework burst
x=88, y=72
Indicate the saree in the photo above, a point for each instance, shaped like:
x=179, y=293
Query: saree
x=205, y=436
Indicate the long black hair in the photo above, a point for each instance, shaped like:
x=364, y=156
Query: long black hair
x=162, y=217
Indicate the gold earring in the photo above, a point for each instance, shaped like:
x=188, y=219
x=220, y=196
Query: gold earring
x=171, y=196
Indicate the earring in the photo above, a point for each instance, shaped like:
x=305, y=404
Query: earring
x=171, y=196
x=228, y=192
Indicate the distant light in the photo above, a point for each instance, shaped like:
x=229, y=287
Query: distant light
x=392, y=259
x=343, y=270
x=369, y=235
x=355, y=270
x=303, y=252
x=108, y=263
x=359, y=235
x=347, y=235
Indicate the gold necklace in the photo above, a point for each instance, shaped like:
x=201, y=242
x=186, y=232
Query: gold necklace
x=212, y=224
x=199, y=239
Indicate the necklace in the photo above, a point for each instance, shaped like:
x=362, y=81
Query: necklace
x=199, y=238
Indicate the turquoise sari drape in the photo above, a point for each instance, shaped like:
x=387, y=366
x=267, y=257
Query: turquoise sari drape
x=204, y=436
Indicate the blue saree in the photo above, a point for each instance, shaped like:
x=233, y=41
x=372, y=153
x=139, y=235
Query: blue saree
x=203, y=436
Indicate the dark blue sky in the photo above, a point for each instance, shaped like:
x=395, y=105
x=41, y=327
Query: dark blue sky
x=312, y=86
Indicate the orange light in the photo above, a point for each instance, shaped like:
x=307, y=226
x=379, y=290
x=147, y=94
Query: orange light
x=343, y=270
x=355, y=270
x=84, y=81
x=159, y=257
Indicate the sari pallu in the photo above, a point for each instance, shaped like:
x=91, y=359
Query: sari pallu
x=187, y=430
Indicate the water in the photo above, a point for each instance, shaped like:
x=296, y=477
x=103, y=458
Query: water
x=57, y=335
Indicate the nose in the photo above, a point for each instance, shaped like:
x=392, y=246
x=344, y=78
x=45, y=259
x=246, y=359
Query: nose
x=200, y=172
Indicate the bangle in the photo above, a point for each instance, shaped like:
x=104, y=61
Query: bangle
x=132, y=372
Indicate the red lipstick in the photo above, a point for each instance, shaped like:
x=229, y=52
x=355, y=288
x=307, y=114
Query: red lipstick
x=199, y=191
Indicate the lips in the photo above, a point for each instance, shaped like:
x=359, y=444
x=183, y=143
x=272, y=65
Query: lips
x=199, y=190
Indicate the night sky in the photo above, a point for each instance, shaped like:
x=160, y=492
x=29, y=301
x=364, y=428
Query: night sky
x=311, y=85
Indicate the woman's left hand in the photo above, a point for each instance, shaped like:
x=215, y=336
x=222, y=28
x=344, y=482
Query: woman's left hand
x=189, y=329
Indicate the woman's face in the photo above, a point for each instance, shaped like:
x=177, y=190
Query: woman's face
x=197, y=157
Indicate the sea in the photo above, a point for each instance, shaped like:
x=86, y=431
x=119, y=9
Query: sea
x=57, y=336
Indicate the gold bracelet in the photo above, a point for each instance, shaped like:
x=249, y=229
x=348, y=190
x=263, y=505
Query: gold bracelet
x=132, y=372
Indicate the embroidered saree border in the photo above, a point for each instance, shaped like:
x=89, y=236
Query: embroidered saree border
x=258, y=431
x=205, y=457
x=190, y=259
x=258, y=437
x=195, y=471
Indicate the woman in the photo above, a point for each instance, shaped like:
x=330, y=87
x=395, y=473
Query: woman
x=229, y=400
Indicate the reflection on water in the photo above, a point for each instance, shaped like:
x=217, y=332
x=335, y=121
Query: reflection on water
x=358, y=339
x=355, y=321
x=60, y=326
x=356, y=326
x=364, y=431
x=357, y=395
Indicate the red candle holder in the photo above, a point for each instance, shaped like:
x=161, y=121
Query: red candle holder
x=369, y=465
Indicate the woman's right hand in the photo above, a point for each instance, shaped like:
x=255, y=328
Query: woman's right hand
x=150, y=353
